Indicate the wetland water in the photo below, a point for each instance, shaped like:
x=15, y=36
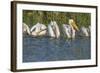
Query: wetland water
x=48, y=49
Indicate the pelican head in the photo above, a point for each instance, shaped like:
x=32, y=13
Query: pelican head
x=73, y=24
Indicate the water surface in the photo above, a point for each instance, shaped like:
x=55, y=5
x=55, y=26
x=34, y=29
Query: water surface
x=36, y=49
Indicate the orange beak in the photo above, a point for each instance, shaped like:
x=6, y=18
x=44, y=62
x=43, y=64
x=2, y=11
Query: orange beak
x=72, y=23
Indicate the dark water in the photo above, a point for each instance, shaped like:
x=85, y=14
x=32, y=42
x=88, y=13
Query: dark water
x=47, y=49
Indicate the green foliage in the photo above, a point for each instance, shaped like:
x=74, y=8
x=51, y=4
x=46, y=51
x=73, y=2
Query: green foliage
x=32, y=17
x=83, y=19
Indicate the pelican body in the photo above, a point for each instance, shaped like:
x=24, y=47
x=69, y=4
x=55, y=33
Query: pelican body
x=70, y=29
x=53, y=30
x=85, y=31
x=89, y=30
x=38, y=30
x=26, y=29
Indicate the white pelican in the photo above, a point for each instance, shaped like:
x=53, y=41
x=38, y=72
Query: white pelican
x=85, y=31
x=67, y=30
x=89, y=30
x=26, y=29
x=70, y=29
x=38, y=30
x=53, y=30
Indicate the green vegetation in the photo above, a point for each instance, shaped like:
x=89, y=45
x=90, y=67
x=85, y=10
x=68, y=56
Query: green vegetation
x=32, y=17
